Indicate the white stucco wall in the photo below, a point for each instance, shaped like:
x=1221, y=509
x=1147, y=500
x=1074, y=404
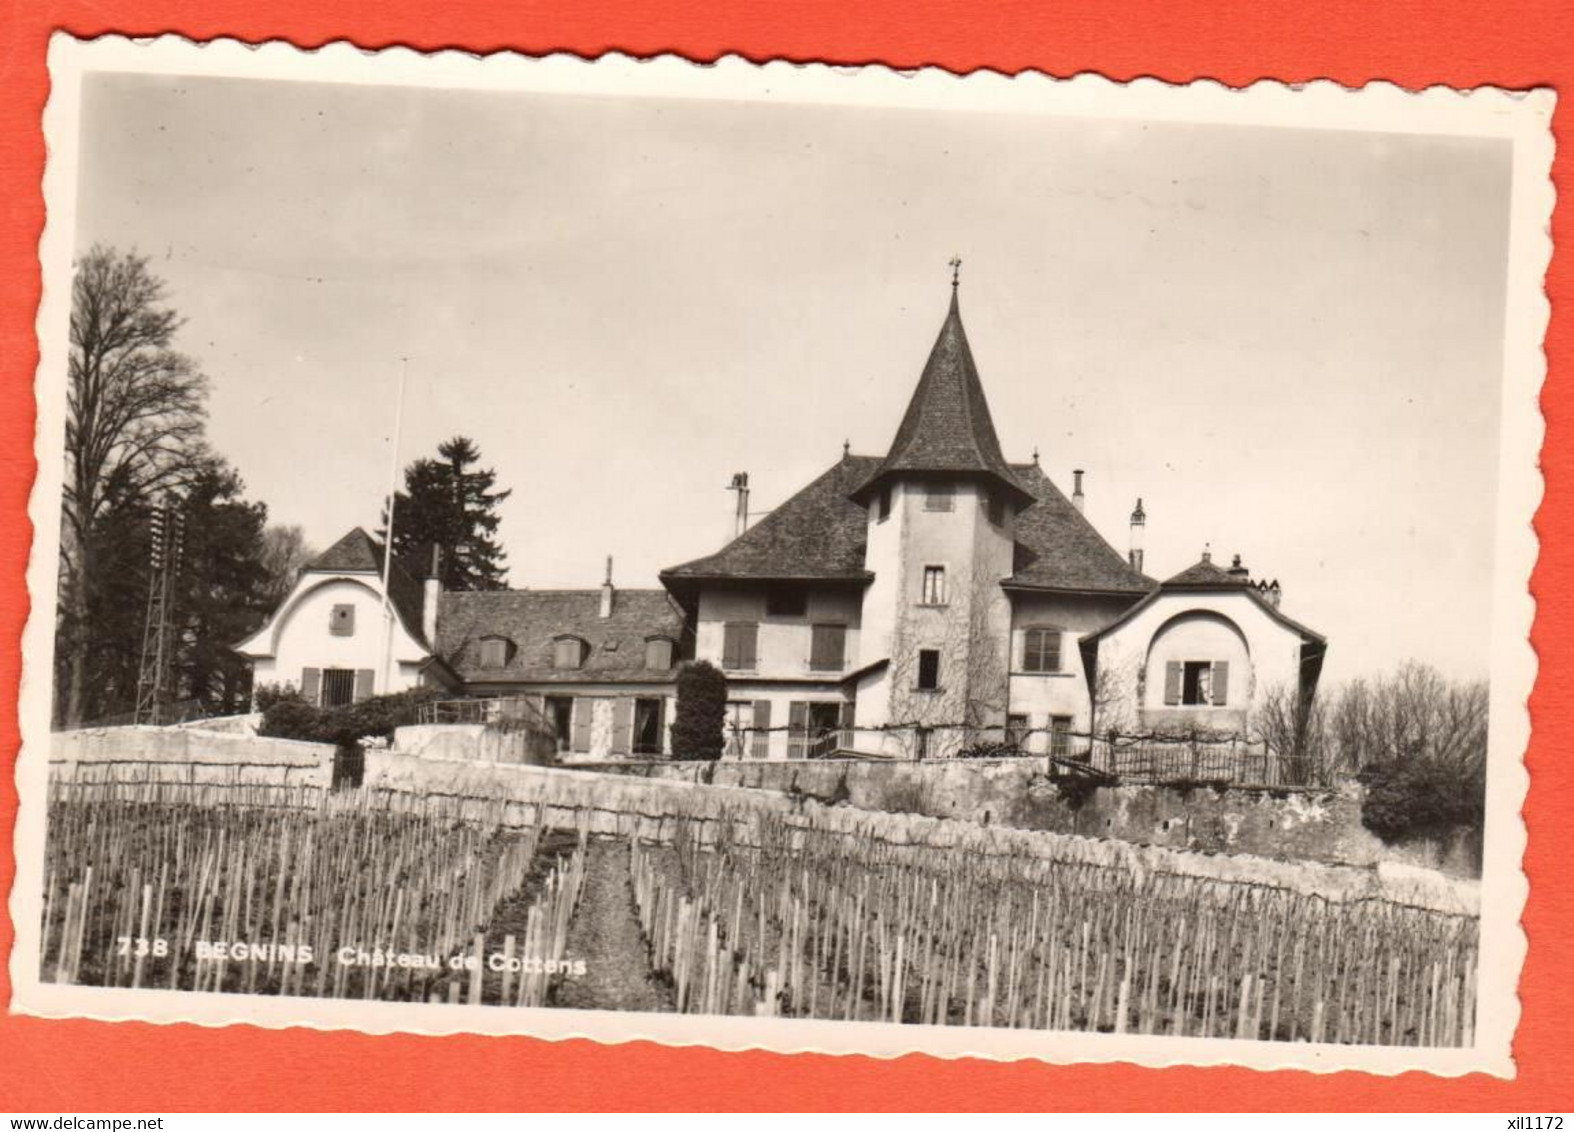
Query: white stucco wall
x=1041, y=696
x=782, y=646
x=298, y=636
x=1263, y=653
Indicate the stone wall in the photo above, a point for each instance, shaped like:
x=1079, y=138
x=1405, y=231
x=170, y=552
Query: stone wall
x=620, y=803
x=174, y=754
x=1292, y=825
x=476, y=742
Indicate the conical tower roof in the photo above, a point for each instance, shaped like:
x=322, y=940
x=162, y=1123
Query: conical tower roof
x=947, y=428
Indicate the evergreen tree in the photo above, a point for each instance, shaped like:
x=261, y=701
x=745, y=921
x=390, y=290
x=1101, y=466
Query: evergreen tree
x=697, y=726
x=225, y=590
x=449, y=503
x=220, y=597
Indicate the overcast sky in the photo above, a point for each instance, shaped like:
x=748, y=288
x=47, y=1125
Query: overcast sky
x=1287, y=342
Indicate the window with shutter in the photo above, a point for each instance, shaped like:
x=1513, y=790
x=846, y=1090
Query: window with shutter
x=797, y=729
x=1017, y=728
x=568, y=652
x=883, y=504
x=582, y=711
x=623, y=725
x=827, y=648
x=658, y=653
x=762, y=735
x=928, y=670
x=995, y=509
x=1041, y=650
x=1172, y=682
x=940, y=497
x=738, y=645
x=341, y=621
x=1221, y=683
x=1060, y=735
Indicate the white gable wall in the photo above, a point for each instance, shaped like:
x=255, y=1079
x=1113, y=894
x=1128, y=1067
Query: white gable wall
x=1225, y=625
x=298, y=636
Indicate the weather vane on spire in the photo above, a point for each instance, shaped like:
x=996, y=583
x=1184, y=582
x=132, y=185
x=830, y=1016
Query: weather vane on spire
x=956, y=271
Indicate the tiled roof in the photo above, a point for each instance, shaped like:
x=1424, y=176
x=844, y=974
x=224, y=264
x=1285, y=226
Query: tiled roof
x=355, y=551
x=532, y=620
x=947, y=426
x=1057, y=548
x=1205, y=573
x=358, y=553
x=819, y=533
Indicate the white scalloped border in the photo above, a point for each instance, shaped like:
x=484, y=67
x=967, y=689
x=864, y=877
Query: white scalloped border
x=1522, y=116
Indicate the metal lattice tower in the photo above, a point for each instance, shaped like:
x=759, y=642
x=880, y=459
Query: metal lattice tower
x=158, y=634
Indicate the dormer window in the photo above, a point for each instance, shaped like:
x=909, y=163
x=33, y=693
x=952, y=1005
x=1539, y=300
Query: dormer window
x=940, y=497
x=568, y=652
x=658, y=653
x=341, y=621
x=494, y=652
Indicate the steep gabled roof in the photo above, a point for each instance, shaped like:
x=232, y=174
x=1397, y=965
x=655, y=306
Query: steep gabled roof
x=1058, y=549
x=817, y=534
x=533, y=620
x=1205, y=573
x=947, y=427
x=358, y=553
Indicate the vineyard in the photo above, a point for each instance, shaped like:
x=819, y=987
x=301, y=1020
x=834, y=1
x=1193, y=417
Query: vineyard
x=365, y=894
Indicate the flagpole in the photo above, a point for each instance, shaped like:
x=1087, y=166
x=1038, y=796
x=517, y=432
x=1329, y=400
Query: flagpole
x=388, y=534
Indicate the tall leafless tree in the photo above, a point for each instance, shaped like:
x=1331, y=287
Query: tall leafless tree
x=136, y=408
x=284, y=552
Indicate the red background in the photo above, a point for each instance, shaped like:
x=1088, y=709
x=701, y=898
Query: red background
x=88, y=1066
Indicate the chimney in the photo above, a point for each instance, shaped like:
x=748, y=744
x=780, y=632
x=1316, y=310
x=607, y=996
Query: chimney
x=1077, y=498
x=1274, y=593
x=1139, y=523
x=431, y=592
x=607, y=591
x=740, y=513
x=1239, y=573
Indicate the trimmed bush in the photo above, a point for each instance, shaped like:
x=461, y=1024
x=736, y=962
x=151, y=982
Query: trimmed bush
x=1419, y=798
x=346, y=727
x=698, y=723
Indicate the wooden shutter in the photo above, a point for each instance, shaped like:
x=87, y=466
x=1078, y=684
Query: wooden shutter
x=311, y=684
x=761, y=747
x=622, y=725
x=738, y=641
x=849, y=716
x=1172, y=682
x=1221, y=683
x=581, y=723
x=828, y=648
x=341, y=623
x=363, y=683
x=798, y=729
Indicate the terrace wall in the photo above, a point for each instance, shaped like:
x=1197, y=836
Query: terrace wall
x=1321, y=825
x=175, y=754
x=475, y=742
x=619, y=802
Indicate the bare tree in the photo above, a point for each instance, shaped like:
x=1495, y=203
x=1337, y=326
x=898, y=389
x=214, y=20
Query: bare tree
x=284, y=552
x=134, y=420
